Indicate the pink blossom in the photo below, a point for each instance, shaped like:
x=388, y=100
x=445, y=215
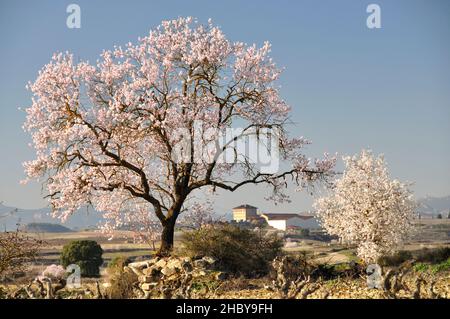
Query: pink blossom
x=104, y=134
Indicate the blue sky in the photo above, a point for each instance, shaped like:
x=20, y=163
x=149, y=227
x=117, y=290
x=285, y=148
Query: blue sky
x=350, y=87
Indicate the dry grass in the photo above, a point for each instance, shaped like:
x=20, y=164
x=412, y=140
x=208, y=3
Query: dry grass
x=431, y=234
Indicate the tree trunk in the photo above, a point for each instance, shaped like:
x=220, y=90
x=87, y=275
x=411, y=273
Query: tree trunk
x=167, y=237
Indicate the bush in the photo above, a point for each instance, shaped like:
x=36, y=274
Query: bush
x=119, y=261
x=293, y=267
x=239, y=251
x=17, y=250
x=421, y=267
x=325, y=271
x=87, y=254
x=122, y=282
x=443, y=266
x=396, y=259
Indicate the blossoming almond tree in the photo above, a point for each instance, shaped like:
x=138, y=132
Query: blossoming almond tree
x=367, y=208
x=105, y=134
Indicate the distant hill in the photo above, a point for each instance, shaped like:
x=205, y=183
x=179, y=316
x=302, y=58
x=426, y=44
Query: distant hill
x=11, y=218
x=45, y=228
x=432, y=206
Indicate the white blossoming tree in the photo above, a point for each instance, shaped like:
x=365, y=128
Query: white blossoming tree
x=105, y=134
x=367, y=208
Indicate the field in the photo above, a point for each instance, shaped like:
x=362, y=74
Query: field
x=430, y=234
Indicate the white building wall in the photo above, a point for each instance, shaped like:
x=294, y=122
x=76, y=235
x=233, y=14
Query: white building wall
x=278, y=224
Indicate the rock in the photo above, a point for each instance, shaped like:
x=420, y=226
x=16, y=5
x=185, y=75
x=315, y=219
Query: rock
x=171, y=266
x=200, y=263
x=147, y=271
x=168, y=271
x=147, y=279
x=153, y=261
x=139, y=265
x=161, y=263
x=187, y=266
x=166, y=293
x=152, y=271
x=209, y=260
x=173, y=263
x=154, y=274
x=148, y=286
x=205, y=263
x=198, y=273
x=187, y=259
x=221, y=275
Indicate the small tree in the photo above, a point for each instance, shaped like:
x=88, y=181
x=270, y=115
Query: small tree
x=439, y=216
x=448, y=216
x=367, y=208
x=87, y=254
x=16, y=251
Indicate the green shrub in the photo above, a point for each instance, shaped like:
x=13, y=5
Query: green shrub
x=443, y=266
x=87, y=254
x=325, y=271
x=239, y=251
x=395, y=259
x=421, y=267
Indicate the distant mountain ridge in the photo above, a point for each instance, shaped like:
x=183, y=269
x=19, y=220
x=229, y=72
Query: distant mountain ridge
x=434, y=205
x=45, y=228
x=11, y=218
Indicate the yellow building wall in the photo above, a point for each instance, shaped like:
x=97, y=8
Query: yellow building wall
x=239, y=214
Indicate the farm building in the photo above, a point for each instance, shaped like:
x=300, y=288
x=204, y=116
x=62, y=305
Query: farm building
x=244, y=213
x=248, y=213
x=286, y=221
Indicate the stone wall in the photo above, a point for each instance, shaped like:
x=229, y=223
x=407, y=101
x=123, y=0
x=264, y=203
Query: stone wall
x=172, y=277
